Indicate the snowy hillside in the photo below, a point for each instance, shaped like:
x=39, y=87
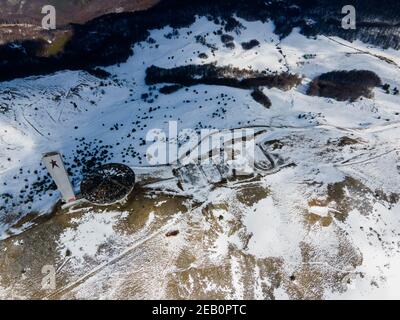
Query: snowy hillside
x=325, y=225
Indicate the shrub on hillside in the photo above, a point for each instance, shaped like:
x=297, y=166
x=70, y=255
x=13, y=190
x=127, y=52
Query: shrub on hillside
x=250, y=45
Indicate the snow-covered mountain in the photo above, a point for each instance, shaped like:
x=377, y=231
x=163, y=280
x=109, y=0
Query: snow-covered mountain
x=108, y=39
x=325, y=224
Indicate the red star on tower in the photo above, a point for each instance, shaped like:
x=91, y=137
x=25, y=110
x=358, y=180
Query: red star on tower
x=54, y=164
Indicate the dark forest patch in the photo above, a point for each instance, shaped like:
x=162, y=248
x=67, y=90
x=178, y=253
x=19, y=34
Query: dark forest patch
x=170, y=89
x=210, y=74
x=261, y=98
x=345, y=85
x=225, y=76
x=99, y=73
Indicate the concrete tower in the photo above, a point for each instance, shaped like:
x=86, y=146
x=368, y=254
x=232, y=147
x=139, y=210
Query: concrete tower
x=55, y=166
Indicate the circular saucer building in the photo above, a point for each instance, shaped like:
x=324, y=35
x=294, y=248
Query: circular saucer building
x=108, y=184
